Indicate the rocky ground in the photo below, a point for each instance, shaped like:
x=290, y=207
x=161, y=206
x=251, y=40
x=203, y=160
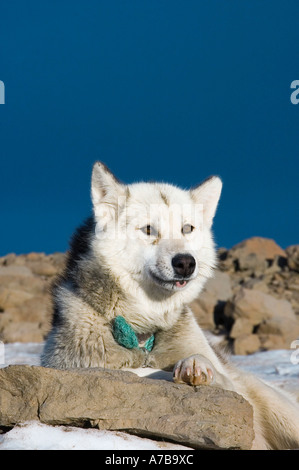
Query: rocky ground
x=254, y=297
x=253, y=300
x=25, y=304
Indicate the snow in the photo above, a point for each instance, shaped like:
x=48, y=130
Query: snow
x=22, y=353
x=277, y=367
x=38, y=436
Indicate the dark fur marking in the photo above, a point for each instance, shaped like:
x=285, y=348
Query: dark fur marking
x=164, y=198
x=79, y=246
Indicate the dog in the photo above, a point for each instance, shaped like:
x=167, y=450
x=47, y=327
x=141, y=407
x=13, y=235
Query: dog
x=122, y=301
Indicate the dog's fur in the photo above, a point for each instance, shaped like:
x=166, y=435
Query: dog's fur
x=118, y=266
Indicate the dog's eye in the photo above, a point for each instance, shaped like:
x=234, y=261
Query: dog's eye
x=149, y=230
x=187, y=228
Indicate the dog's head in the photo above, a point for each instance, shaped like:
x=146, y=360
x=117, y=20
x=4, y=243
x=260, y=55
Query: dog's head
x=155, y=233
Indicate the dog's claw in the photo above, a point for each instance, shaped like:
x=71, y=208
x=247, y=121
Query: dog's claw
x=195, y=370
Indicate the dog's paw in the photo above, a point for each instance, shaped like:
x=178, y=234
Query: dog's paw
x=195, y=370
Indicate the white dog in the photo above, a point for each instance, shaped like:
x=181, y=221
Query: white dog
x=122, y=301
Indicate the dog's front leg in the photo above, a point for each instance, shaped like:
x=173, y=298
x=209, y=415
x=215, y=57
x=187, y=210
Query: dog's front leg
x=185, y=350
x=120, y=358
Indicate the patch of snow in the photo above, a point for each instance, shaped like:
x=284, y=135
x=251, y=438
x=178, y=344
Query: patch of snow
x=274, y=366
x=38, y=436
x=22, y=353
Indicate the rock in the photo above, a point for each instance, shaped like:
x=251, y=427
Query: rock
x=211, y=300
x=246, y=344
x=5, y=319
x=12, y=297
x=252, y=262
x=31, y=284
x=25, y=301
x=225, y=260
x=260, y=284
x=287, y=329
x=22, y=332
x=255, y=253
x=278, y=263
x=58, y=260
x=269, y=341
x=204, y=312
x=35, y=256
x=257, y=306
x=15, y=271
x=219, y=286
x=199, y=417
x=242, y=326
x=263, y=247
x=36, y=309
x=43, y=268
x=8, y=259
x=293, y=257
x=267, y=316
x=25, y=317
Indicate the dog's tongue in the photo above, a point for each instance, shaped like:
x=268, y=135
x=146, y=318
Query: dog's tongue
x=180, y=283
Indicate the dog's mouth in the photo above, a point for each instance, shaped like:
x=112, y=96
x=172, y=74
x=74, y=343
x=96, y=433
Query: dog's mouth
x=169, y=284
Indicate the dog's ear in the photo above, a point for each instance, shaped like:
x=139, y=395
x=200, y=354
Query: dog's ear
x=208, y=194
x=105, y=188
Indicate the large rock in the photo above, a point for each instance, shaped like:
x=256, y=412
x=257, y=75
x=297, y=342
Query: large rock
x=200, y=417
x=22, y=331
x=246, y=344
x=242, y=326
x=17, y=270
x=273, y=320
x=43, y=268
x=257, y=307
x=25, y=303
x=10, y=298
x=210, y=303
x=255, y=253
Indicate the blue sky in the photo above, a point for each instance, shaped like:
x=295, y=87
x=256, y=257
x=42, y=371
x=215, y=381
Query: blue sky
x=158, y=90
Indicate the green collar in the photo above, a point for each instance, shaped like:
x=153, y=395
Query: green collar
x=124, y=334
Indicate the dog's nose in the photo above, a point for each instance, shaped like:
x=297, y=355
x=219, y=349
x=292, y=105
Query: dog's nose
x=183, y=265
